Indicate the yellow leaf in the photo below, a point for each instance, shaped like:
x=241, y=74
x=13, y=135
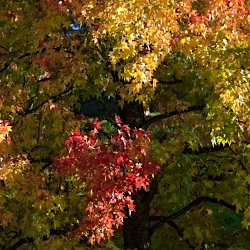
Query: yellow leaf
x=182, y=41
x=155, y=83
x=138, y=87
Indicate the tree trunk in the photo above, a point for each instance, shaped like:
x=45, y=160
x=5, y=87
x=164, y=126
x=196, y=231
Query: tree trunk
x=136, y=227
x=132, y=114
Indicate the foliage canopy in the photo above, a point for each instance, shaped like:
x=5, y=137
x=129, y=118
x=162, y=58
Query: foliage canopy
x=188, y=58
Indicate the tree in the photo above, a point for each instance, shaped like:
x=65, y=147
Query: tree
x=190, y=58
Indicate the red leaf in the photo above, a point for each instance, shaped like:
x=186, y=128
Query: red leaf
x=96, y=124
x=118, y=120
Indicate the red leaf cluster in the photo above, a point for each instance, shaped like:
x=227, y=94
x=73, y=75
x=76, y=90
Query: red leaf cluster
x=111, y=170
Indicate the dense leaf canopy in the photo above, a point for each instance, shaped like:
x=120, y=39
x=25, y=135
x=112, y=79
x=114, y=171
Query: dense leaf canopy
x=179, y=70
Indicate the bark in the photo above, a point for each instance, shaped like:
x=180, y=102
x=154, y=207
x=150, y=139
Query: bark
x=132, y=114
x=136, y=228
x=136, y=231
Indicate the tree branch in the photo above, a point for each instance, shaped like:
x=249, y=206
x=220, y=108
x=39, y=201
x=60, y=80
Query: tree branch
x=211, y=149
x=173, y=82
x=5, y=66
x=20, y=243
x=170, y=114
x=30, y=110
x=4, y=48
x=12, y=56
x=198, y=201
x=31, y=240
x=179, y=232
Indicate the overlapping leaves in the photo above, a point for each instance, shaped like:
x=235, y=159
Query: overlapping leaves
x=111, y=171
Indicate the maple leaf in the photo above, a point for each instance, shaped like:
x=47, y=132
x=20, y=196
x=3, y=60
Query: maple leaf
x=118, y=120
x=96, y=124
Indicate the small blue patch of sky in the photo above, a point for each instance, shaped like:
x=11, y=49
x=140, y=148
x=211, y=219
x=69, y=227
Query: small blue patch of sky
x=75, y=26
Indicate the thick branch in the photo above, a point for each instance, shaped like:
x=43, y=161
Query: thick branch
x=173, y=82
x=170, y=114
x=176, y=227
x=202, y=199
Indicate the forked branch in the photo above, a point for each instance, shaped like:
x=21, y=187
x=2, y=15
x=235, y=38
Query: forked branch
x=166, y=219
